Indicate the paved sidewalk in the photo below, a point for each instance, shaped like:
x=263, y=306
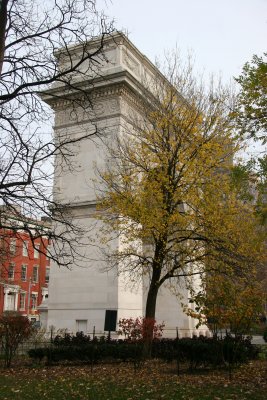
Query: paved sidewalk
x=258, y=340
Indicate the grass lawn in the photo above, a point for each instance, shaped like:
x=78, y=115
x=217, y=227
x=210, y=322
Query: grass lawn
x=155, y=380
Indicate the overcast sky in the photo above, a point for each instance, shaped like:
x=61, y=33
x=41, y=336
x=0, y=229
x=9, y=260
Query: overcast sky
x=223, y=34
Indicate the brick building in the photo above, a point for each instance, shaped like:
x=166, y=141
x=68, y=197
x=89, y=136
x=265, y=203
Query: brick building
x=24, y=266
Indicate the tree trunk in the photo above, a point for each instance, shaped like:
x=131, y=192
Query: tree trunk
x=151, y=301
x=3, y=22
x=151, y=311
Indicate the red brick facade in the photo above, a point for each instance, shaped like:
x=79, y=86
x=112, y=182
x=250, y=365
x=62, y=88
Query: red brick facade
x=24, y=273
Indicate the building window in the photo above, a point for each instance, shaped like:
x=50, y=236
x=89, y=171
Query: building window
x=25, y=248
x=36, y=250
x=11, y=301
x=24, y=273
x=110, y=320
x=47, y=272
x=44, y=293
x=81, y=325
x=11, y=271
x=12, y=246
x=35, y=273
x=34, y=301
x=22, y=301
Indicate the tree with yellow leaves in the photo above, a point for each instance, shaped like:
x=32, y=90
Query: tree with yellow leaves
x=232, y=297
x=228, y=300
x=168, y=191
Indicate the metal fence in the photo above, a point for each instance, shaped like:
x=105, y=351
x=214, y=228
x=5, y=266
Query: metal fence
x=44, y=339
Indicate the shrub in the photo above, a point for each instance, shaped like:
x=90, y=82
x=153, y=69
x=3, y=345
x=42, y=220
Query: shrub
x=67, y=339
x=198, y=351
x=265, y=334
x=205, y=351
x=92, y=352
x=38, y=353
x=238, y=349
x=14, y=329
x=140, y=328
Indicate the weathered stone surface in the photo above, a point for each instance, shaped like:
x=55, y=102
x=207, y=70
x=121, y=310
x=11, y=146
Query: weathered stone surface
x=81, y=296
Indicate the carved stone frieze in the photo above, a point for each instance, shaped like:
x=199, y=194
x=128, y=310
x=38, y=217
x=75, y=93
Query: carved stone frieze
x=105, y=102
x=73, y=115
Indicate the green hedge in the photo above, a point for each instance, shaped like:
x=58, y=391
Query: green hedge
x=196, y=352
x=92, y=352
x=205, y=351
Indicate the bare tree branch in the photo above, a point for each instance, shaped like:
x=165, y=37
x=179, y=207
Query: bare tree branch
x=34, y=38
